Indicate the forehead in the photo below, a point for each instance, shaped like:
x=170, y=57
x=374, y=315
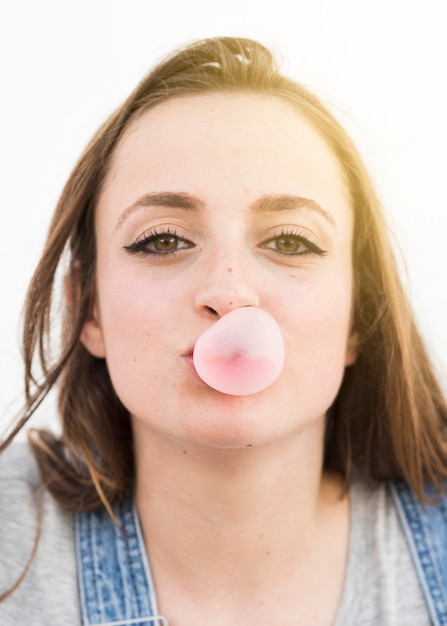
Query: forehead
x=259, y=144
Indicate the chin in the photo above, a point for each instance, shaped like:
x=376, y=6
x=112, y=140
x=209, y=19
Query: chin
x=235, y=429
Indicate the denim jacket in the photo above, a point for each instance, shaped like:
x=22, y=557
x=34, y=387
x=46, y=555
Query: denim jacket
x=116, y=584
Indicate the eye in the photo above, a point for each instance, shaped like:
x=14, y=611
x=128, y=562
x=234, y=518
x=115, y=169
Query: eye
x=158, y=244
x=293, y=244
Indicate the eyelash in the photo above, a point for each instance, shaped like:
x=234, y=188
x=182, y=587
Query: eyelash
x=141, y=245
x=298, y=237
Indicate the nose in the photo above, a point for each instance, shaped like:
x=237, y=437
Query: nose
x=227, y=284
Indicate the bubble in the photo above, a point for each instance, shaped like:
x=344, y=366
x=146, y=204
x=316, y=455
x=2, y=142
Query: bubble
x=242, y=353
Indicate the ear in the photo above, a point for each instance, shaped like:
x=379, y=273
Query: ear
x=352, y=348
x=91, y=336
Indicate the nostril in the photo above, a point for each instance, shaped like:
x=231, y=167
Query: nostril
x=212, y=311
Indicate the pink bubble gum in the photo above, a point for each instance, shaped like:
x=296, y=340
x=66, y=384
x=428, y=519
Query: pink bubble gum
x=242, y=353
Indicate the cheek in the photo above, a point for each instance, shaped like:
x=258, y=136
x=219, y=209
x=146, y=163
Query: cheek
x=134, y=341
x=141, y=321
x=132, y=302
x=318, y=328
x=130, y=325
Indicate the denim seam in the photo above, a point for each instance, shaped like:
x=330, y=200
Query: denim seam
x=144, y=560
x=92, y=554
x=125, y=570
x=416, y=529
x=131, y=559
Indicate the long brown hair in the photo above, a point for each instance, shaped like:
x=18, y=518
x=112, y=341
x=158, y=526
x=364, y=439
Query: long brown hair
x=389, y=418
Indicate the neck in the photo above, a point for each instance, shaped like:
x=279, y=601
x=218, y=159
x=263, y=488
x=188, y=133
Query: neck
x=220, y=516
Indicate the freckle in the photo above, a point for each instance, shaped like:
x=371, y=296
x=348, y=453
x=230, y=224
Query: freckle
x=249, y=445
x=261, y=536
x=184, y=452
x=268, y=553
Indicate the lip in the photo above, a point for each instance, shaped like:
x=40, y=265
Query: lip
x=189, y=360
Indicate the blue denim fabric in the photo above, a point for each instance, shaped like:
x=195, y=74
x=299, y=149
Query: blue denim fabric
x=116, y=584
x=114, y=577
x=426, y=531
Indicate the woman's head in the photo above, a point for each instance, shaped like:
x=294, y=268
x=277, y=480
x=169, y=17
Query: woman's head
x=377, y=418
x=215, y=202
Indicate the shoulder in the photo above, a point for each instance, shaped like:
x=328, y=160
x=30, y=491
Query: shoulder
x=28, y=513
x=19, y=484
x=433, y=509
x=17, y=463
x=381, y=576
x=425, y=524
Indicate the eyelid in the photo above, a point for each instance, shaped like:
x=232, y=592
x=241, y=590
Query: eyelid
x=304, y=238
x=139, y=245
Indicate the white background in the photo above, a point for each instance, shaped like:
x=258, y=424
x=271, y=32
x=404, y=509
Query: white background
x=381, y=66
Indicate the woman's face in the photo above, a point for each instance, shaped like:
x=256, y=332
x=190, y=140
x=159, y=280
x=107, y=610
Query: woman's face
x=215, y=202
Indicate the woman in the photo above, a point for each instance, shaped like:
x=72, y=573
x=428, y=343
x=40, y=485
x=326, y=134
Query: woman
x=220, y=184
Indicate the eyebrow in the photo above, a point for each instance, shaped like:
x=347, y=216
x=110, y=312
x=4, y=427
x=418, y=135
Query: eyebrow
x=173, y=200
x=269, y=203
x=273, y=203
